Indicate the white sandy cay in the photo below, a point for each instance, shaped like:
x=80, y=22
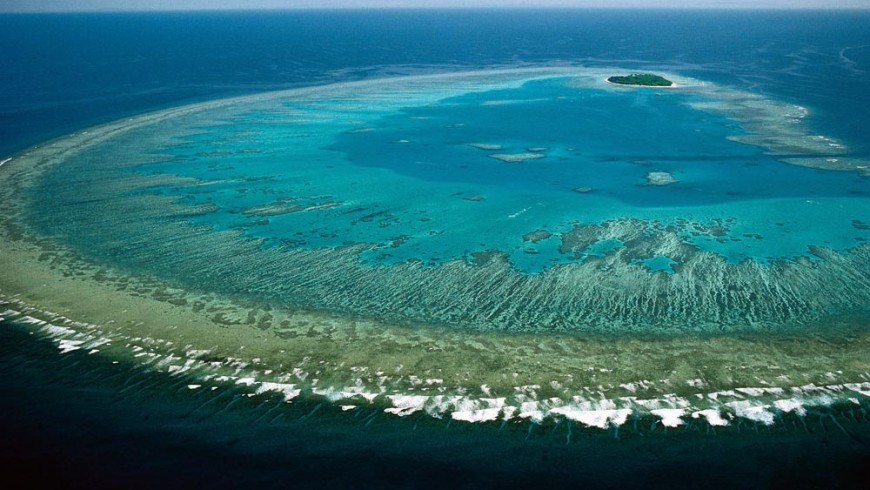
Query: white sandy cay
x=485, y=146
x=660, y=178
x=516, y=157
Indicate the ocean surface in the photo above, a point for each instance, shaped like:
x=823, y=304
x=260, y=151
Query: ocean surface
x=445, y=216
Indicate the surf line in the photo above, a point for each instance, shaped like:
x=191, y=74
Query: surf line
x=3, y=162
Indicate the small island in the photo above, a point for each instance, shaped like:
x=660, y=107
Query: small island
x=642, y=79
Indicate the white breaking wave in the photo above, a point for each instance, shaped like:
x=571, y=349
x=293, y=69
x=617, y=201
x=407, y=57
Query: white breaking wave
x=719, y=408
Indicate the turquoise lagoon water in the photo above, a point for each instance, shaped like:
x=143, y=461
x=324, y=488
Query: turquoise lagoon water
x=547, y=175
x=440, y=198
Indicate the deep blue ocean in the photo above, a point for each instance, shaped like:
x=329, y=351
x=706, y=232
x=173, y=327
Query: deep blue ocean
x=84, y=427
x=62, y=72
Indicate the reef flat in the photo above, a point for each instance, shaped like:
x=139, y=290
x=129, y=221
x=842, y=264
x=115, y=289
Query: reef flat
x=264, y=266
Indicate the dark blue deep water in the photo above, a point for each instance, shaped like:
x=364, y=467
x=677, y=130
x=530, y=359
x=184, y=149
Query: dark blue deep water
x=62, y=72
x=76, y=422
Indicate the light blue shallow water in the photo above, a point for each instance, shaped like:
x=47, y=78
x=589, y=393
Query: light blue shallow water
x=420, y=182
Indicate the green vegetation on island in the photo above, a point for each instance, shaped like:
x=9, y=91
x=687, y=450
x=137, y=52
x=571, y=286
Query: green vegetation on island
x=645, y=79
